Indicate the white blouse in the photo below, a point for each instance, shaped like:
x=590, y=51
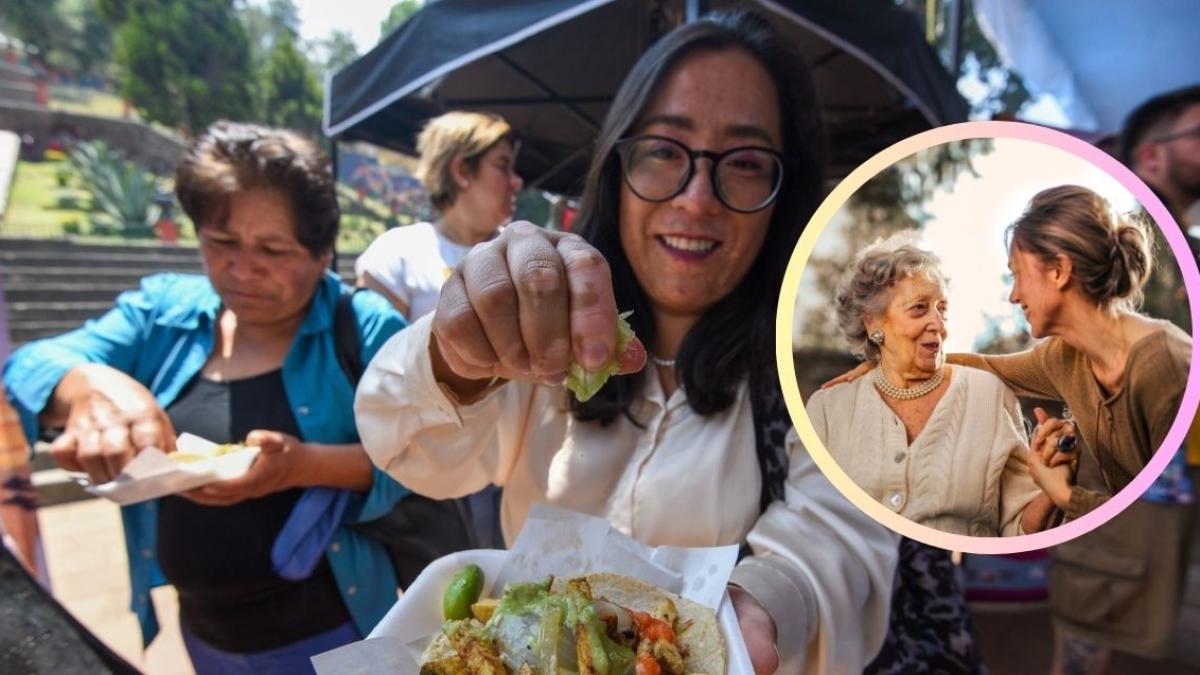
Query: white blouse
x=821, y=567
x=965, y=473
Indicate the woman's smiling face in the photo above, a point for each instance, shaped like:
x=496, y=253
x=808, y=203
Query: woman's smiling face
x=690, y=251
x=914, y=327
x=1035, y=289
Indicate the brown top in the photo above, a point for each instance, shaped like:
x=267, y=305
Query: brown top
x=1122, y=429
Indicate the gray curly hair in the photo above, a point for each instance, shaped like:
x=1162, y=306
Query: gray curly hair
x=866, y=287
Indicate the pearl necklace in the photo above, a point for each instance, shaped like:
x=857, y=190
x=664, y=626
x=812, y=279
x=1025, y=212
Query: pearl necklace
x=892, y=391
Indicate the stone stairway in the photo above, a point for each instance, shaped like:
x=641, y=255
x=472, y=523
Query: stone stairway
x=54, y=286
x=51, y=287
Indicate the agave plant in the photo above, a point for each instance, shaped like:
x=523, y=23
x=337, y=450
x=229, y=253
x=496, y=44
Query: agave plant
x=122, y=191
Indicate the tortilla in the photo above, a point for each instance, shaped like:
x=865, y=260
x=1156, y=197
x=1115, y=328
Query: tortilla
x=698, y=634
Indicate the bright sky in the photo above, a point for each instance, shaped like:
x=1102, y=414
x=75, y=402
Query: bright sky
x=360, y=17
x=967, y=231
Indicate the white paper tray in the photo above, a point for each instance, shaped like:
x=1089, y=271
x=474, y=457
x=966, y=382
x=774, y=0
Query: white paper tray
x=396, y=644
x=153, y=473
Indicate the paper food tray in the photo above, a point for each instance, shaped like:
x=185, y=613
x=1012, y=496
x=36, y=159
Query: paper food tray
x=397, y=642
x=153, y=473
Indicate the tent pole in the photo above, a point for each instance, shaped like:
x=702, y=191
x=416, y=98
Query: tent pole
x=333, y=161
x=955, y=22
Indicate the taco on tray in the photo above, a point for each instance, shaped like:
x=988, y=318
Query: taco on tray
x=598, y=624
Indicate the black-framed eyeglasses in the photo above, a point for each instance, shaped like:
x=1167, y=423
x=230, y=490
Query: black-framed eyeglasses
x=745, y=179
x=1183, y=133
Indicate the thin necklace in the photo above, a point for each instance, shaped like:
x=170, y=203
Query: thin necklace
x=664, y=363
x=891, y=390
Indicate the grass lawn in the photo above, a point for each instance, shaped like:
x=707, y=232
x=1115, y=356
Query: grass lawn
x=37, y=206
x=87, y=102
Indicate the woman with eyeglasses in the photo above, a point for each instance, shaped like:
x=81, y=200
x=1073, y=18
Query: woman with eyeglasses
x=706, y=169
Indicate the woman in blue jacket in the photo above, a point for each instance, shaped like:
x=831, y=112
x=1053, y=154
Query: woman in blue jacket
x=267, y=572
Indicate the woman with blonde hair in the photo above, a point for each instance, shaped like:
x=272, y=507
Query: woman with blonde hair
x=466, y=164
x=1078, y=272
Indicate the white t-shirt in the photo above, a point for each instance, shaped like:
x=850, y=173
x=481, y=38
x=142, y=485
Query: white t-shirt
x=412, y=262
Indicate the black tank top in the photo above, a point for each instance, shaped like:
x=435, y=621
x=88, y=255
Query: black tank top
x=219, y=557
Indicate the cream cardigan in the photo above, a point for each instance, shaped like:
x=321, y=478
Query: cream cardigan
x=965, y=473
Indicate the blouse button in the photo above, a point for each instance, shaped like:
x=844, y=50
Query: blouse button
x=900, y=457
x=896, y=499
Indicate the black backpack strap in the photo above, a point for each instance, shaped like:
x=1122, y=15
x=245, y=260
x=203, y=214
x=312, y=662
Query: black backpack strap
x=345, y=336
x=771, y=424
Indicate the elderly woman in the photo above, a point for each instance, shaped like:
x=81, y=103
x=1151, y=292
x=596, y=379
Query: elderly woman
x=466, y=164
x=710, y=149
x=1078, y=272
x=244, y=353
x=944, y=447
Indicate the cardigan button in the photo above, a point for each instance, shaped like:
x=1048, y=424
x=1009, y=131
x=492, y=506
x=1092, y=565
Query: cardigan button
x=900, y=457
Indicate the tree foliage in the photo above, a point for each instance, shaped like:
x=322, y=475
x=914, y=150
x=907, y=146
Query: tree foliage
x=334, y=52
x=34, y=21
x=71, y=36
x=398, y=15
x=184, y=62
x=1004, y=91
x=291, y=94
x=264, y=24
x=891, y=201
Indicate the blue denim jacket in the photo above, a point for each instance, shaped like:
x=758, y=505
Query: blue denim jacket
x=162, y=335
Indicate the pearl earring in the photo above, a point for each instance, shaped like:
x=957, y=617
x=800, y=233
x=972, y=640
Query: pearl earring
x=877, y=338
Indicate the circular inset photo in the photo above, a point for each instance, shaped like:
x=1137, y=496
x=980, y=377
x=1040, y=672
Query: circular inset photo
x=985, y=337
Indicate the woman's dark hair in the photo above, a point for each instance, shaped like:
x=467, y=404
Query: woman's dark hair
x=735, y=338
x=231, y=157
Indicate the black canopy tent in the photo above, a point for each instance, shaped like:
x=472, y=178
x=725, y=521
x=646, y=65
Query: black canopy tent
x=551, y=67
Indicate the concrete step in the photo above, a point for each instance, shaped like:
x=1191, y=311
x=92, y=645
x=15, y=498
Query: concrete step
x=66, y=245
x=21, y=313
x=19, y=334
x=54, y=487
x=26, y=292
x=71, y=258
x=53, y=276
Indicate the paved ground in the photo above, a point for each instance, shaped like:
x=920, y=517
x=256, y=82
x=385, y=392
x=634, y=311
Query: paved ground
x=86, y=558
x=85, y=555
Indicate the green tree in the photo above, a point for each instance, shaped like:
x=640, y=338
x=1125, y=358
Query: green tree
x=1003, y=90
x=86, y=44
x=35, y=21
x=334, y=52
x=398, y=15
x=264, y=24
x=891, y=201
x=291, y=94
x=171, y=67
